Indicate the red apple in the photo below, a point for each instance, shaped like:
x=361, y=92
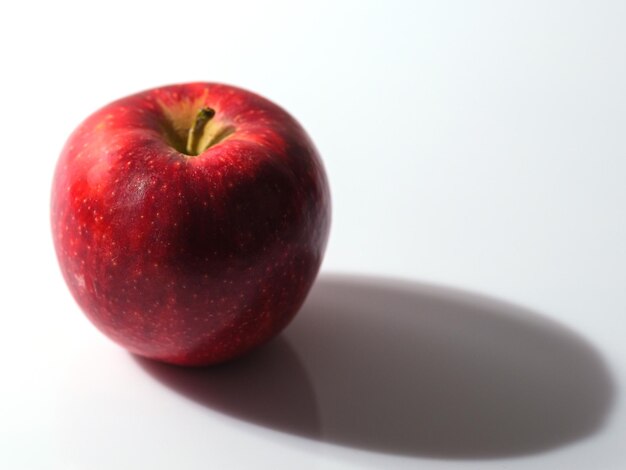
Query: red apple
x=190, y=221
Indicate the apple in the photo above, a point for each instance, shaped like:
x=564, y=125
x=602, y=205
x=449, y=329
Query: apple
x=190, y=221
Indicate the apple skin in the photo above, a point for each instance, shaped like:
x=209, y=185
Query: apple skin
x=190, y=260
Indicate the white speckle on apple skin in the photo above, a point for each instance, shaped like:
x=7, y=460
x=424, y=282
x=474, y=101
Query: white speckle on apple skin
x=80, y=280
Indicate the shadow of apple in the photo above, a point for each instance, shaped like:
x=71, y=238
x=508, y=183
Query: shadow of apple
x=412, y=369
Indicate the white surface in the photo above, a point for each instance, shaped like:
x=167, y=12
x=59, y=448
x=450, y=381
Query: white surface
x=477, y=145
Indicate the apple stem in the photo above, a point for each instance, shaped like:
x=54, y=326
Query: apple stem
x=196, y=131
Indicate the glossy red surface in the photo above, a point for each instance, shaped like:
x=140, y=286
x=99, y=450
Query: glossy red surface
x=190, y=260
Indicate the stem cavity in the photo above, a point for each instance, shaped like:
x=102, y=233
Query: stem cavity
x=205, y=133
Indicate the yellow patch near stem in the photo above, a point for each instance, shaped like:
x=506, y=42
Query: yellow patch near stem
x=188, y=130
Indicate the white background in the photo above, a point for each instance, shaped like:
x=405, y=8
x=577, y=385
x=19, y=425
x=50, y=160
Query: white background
x=477, y=145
